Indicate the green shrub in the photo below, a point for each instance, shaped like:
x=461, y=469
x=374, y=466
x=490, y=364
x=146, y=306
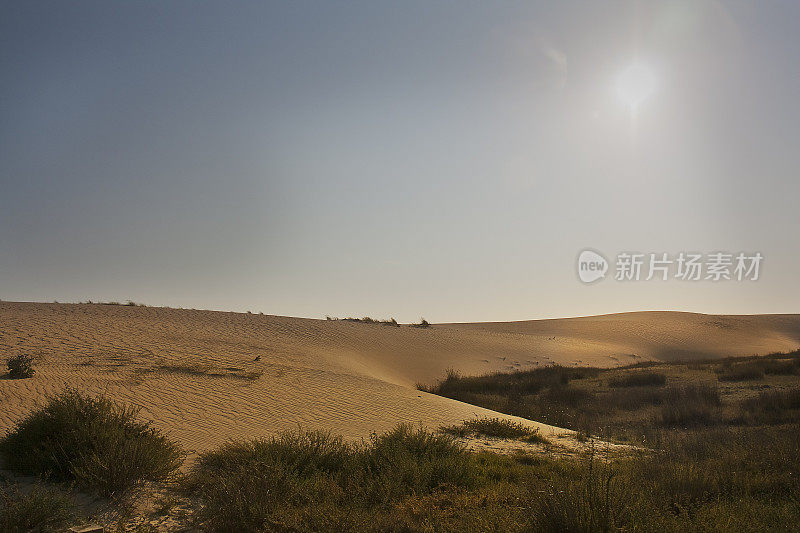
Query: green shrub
x=495, y=427
x=779, y=367
x=312, y=480
x=90, y=440
x=307, y=454
x=519, y=382
x=38, y=509
x=774, y=401
x=20, y=366
x=593, y=500
x=692, y=405
x=773, y=407
x=638, y=379
x=413, y=461
x=568, y=396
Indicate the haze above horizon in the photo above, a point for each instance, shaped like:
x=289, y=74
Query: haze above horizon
x=402, y=160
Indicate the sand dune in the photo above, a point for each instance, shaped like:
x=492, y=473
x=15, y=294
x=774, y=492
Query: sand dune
x=195, y=373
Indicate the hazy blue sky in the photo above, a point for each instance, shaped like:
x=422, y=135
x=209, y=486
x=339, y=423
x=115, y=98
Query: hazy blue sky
x=438, y=159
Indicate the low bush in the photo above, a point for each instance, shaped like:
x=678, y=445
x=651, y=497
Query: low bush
x=312, y=480
x=568, y=396
x=773, y=407
x=741, y=372
x=691, y=405
x=780, y=367
x=407, y=461
x=520, y=382
x=595, y=499
x=38, y=509
x=495, y=427
x=93, y=441
x=20, y=366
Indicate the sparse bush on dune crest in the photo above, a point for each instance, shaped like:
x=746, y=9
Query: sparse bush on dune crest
x=93, y=441
x=369, y=320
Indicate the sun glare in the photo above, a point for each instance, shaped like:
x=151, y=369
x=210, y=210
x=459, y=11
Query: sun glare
x=635, y=84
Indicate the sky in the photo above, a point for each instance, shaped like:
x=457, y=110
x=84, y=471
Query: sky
x=437, y=159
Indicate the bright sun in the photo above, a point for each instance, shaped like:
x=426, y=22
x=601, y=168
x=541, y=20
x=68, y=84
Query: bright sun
x=635, y=84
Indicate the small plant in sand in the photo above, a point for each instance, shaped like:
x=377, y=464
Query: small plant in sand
x=20, y=366
x=93, y=441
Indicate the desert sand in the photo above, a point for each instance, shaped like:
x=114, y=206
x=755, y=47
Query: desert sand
x=205, y=376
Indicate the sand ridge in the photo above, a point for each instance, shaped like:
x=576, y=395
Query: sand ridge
x=205, y=376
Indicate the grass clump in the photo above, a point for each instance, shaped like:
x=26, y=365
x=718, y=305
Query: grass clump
x=265, y=484
x=312, y=480
x=519, y=383
x=408, y=461
x=692, y=405
x=495, y=427
x=741, y=372
x=93, y=441
x=38, y=509
x=773, y=407
x=594, y=498
x=421, y=324
x=20, y=366
x=638, y=379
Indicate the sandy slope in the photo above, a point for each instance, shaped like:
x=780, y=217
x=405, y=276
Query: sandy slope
x=194, y=372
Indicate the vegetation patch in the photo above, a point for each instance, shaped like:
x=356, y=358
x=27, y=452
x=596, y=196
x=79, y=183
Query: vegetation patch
x=638, y=379
x=368, y=320
x=632, y=403
x=20, y=366
x=495, y=427
x=37, y=509
x=691, y=405
x=93, y=441
x=312, y=480
x=741, y=372
x=527, y=382
x=727, y=479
